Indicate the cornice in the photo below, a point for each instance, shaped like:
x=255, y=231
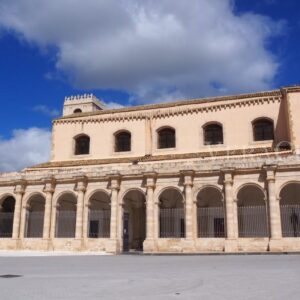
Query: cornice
x=130, y=160
x=173, y=109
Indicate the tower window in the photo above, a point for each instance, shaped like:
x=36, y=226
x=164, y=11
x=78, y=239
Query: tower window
x=82, y=145
x=77, y=111
x=123, y=142
x=166, y=138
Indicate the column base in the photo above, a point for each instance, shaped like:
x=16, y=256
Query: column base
x=276, y=245
x=113, y=246
x=149, y=246
x=231, y=246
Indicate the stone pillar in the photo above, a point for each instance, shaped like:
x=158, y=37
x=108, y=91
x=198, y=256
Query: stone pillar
x=85, y=221
x=24, y=214
x=55, y=207
x=113, y=245
x=19, y=191
x=275, y=243
x=231, y=230
x=148, y=134
x=80, y=188
x=188, y=178
x=150, y=242
x=48, y=190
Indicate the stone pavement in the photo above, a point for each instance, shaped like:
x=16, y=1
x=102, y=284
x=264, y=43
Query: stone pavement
x=150, y=277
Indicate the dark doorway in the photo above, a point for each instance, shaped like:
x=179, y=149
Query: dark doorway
x=126, y=232
x=134, y=221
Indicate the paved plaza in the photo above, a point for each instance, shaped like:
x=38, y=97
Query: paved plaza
x=150, y=277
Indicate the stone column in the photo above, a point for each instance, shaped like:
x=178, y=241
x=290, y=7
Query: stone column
x=188, y=178
x=113, y=245
x=24, y=213
x=19, y=191
x=80, y=188
x=150, y=242
x=85, y=221
x=48, y=190
x=231, y=230
x=55, y=207
x=274, y=210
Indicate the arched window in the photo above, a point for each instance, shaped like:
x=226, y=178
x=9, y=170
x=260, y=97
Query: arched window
x=82, y=145
x=166, y=138
x=123, y=141
x=263, y=130
x=213, y=134
x=77, y=111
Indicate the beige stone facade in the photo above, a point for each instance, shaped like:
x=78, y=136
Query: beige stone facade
x=205, y=175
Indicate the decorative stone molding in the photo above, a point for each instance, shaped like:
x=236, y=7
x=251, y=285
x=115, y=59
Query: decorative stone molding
x=173, y=109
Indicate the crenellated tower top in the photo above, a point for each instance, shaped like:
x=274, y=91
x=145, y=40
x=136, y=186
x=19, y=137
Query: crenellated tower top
x=81, y=104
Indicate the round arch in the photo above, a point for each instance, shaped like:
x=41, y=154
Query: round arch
x=7, y=209
x=35, y=210
x=210, y=212
x=134, y=219
x=27, y=198
x=289, y=196
x=99, y=214
x=65, y=215
x=171, y=213
x=252, y=211
x=250, y=184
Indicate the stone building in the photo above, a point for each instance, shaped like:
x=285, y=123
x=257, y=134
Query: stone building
x=203, y=175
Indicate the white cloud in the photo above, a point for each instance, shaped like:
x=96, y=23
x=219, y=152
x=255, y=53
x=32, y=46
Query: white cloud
x=25, y=148
x=151, y=49
x=47, y=111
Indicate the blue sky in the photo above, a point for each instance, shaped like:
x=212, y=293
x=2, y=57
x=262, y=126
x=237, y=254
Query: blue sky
x=169, y=52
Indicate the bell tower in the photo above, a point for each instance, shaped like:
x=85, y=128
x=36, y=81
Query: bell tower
x=82, y=104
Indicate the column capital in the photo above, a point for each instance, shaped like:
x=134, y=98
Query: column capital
x=115, y=179
x=188, y=177
x=49, y=184
x=228, y=174
x=150, y=178
x=81, y=183
x=270, y=172
x=20, y=187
